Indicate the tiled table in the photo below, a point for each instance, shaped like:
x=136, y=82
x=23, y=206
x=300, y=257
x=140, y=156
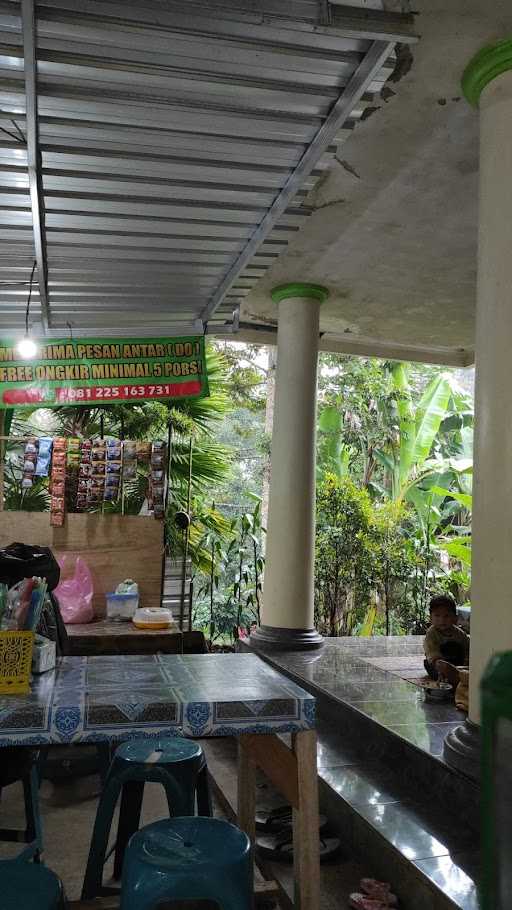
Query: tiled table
x=98, y=699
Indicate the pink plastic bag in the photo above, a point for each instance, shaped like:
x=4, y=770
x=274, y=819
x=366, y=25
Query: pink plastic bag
x=75, y=592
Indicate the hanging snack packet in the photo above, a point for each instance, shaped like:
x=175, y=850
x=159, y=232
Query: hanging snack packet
x=129, y=460
x=73, y=453
x=85, y=452
x=98, y=450
x=97, y=478
x=156, y=494
x=58, y=459
x=114, y=449
x=84, y=474
x=58, y=483
x=58, y=487
x=113, y=472
x=143, y=452
x=29, y=462
x=57, y=511
x=44, y=456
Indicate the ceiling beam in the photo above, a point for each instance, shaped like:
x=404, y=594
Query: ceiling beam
x=362, y=346
x=34, y=155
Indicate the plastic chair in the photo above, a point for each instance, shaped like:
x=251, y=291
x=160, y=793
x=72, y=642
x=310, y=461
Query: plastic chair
x=24, y=886
x=24, y=769
x=176, y=763
x=182, y=859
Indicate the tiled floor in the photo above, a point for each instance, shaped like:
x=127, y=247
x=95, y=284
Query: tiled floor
x=69, y=808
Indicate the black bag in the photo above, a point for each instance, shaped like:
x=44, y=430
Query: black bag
x=20, y=560
x=51, y=625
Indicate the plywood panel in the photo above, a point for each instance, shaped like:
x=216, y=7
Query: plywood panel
x=115, y=547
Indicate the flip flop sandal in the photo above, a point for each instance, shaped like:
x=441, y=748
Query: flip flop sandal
x=280, y=818
x=279, y=847
x=363, y=902
x=380, y=891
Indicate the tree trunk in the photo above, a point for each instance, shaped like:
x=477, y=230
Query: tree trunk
x=269, y=417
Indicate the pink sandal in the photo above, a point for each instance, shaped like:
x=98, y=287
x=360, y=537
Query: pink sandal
x=380, y=891
x=363, y=902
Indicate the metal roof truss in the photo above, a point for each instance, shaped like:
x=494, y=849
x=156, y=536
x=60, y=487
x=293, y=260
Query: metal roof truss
x=155, y=157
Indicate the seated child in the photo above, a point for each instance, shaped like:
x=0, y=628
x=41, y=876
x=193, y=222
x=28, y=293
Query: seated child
x=444, y=640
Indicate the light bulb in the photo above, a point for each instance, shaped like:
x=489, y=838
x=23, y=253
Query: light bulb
x=26, y=348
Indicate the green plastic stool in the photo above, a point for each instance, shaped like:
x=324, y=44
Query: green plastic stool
x=32, y=834
x=181, y=859
x=176, y=763
x=25, y=886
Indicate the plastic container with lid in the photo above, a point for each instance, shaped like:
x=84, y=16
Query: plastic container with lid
x=121, y=606
x=153, y=618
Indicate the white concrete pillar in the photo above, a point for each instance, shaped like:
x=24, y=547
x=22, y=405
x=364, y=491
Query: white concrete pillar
x=288, y=605
x=488, y=82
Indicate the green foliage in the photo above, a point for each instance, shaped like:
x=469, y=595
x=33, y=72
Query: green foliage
x=230, y=587
x=246, y=374
x=343, y=568
x=35, y=499
x=333, y=455
x=371, y=572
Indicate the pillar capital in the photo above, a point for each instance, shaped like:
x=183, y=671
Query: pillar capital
x=298, y=289
x=490, y=62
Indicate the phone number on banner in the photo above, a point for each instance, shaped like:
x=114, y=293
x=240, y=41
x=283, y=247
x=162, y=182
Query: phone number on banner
x=124, y=392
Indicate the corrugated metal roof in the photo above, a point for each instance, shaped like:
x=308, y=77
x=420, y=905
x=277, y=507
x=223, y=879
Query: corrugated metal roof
x=155, y=156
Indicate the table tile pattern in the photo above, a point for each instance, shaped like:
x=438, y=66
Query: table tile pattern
x=93, y=699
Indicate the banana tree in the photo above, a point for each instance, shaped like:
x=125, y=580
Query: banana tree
x=412, y=457
x=457, y=543
x=333, y=455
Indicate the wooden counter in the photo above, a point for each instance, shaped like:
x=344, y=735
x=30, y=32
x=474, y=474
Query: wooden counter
x=108, y=637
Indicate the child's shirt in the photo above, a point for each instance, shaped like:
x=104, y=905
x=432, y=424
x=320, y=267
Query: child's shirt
x=437, y=637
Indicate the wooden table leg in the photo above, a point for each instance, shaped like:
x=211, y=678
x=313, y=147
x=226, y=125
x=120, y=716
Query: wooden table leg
x=294, y=773
x=246, y=791
x=306, y=854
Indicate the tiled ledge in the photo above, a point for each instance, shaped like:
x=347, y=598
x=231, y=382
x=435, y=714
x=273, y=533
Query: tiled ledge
x=383, y=781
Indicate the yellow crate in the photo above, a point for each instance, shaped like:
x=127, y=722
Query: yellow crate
x=15, y=662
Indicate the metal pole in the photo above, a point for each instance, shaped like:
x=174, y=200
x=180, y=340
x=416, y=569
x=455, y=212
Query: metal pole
x=164, y=553
x=2, y=457
x=34, y=156
x=186, y=537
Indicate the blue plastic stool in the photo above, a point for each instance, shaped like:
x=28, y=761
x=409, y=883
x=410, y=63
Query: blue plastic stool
x=24, y=886
x=176, y=763
x=32, y=835
x=182, y=859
